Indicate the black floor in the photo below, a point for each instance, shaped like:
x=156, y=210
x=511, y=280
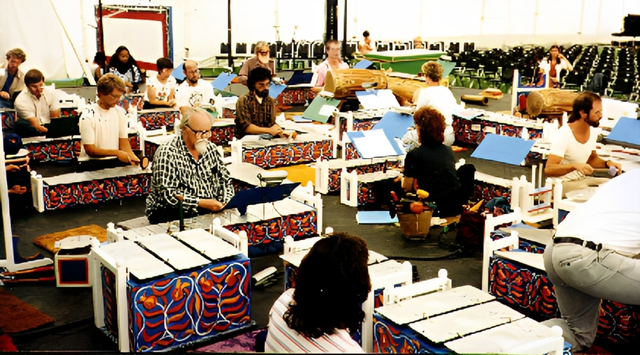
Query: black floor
x=72, y=308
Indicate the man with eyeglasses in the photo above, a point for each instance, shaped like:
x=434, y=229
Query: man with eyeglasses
x=104, y=131
x=193, y=92
x=188, y=169
x=255, y=110
x=332, y=62
x=12, y=79
x=260, y=60
x=35, y=106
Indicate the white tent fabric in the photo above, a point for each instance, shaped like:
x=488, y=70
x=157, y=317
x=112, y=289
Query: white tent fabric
x=201, y=25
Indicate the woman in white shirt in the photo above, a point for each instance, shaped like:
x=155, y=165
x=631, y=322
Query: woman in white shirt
x=161, y=88
x=555, y=63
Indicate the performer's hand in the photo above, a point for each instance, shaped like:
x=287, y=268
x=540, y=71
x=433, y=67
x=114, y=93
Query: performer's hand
x=616, y=165
x=12, y=168
x=17, y=189
x=275, y=130
x=586, y=169
x=4, y=95
x=133, y=159
x=171, y=103
x=211, y=204
x=41, y=129
x=124, y=157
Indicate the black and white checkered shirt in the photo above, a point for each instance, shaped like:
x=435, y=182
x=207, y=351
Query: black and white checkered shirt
x=176, y=172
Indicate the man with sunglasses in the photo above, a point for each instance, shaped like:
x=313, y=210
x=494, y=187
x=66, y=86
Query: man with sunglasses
x=255, y=110
x=104, y=131
x=188, y=170
x=193, y=92
x=260, y=60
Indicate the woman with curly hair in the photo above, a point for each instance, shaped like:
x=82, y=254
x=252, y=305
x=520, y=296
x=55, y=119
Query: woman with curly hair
x=432, y=164
x=122, y=65
x=325, y=307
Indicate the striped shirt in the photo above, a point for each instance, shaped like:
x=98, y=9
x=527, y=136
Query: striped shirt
x=176, y=172
x=282, y=339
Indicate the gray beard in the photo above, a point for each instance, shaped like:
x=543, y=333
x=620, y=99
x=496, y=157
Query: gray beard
x=202, y=145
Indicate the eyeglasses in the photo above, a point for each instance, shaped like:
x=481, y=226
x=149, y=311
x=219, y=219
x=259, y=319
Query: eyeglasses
x=193, y=71
x=264, y=52
x=116, y=97
x=202, y=134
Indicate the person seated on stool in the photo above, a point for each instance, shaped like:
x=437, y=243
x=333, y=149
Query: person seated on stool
x=256, y=110
x=572, y=156
x=260, y=60
x=12, y=80
x=161, y=89
x=433, y=165
x=594, y=256
x=325, y=307
x=189, y=169
x=104, y=131
x=438, y=97
x=35, y=106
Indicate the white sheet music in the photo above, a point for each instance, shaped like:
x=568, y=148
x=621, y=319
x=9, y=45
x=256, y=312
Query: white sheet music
x=374, y=144
x=326, y=110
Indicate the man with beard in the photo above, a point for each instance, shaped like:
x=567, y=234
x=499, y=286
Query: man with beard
x=12, y=80
x=193, y=92
x=255, y=110
x=573, y=156
x=260, y=60
x=188, y=169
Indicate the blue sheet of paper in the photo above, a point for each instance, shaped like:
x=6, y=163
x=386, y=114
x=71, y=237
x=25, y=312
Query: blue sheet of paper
x=375, y=217
x=503, y=149
x=244, y=198
x=363, y=64
x=178, y=73
x=394, y=124
x=447, y=67
x=300, y=119
x=222, y=81
x=276, y=89
x=299, y=77
x=627, y=130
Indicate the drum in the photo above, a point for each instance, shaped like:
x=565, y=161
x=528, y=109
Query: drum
x=345, y=82
x=406, y=89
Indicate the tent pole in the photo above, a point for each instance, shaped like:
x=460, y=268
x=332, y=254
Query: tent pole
x=230, y=62
x=100, y=28
x=85, y=68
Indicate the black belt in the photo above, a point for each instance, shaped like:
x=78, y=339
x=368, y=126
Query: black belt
x=572, y=240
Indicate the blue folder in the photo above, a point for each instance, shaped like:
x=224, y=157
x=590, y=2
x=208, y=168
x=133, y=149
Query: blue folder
x=222, y=81
x=243, y=198
x=503, y=149
x=299, y=77
x=363, y=64
x=276, y=89
x=395, y=124
x=178, y=72
x=627, y=130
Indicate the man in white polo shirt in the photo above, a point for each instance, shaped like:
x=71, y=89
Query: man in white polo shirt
x=103, y=126
x=35, y=106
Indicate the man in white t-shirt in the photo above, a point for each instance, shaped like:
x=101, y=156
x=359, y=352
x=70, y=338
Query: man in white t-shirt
x=572, y=156
x=35, y=106
x=193, y=92
x=161, y=88
x=594, y=256
x=104, y=127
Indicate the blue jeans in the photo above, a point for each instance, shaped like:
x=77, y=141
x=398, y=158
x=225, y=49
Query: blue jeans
x=582, y=277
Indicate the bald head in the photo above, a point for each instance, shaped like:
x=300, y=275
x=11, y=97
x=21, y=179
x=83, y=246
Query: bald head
x=190, y=70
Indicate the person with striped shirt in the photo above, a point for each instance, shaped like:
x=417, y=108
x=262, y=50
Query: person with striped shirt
x=325, y=307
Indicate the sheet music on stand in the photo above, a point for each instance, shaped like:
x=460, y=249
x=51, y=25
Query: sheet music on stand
x=276, y=89
x=374, y=144
x=321, y=108
x=503, y=149
x=394, y=124
x=222, y=81
x=243, y=198
x=626, y=133
x=377, y=99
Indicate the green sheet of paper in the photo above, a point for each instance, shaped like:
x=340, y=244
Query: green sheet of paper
x=320, y=109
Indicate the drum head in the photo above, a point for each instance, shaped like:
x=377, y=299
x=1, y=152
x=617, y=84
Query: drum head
x=144, y=163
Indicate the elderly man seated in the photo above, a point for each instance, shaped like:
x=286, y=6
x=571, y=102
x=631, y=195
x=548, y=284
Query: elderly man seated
x=188, y=169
